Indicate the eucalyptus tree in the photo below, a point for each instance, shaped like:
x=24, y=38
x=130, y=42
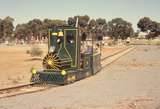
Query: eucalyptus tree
x=6, y=28
x=145, y=24
x=119, y=29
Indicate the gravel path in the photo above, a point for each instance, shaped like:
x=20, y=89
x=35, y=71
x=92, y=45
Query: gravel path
x=132, y=82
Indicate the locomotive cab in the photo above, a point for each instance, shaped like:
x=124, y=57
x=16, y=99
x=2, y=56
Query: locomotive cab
x=69, y=58
x=63, y=46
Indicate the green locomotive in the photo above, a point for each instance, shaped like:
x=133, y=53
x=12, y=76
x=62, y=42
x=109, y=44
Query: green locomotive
x=72, y=56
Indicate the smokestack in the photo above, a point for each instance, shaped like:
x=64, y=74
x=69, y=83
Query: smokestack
x=77, y=22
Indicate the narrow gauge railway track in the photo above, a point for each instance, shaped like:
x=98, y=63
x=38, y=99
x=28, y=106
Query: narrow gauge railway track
x=116, y=53
x=32, y=88
x=23, y=89
x=113, y=57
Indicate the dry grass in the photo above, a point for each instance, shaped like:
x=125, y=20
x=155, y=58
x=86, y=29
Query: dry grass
x=16, y=64
x=158, y=43
x=153, y=42
x=146, y=42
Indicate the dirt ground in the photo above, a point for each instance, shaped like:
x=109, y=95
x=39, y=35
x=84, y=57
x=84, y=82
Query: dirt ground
x=132, y=82
x=106, y=51
x=15, y=63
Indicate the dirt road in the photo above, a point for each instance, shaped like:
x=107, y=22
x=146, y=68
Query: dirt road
x=132, y=82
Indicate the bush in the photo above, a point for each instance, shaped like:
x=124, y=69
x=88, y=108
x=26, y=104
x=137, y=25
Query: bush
x=35, y=51
x=28, y=51
x=111, y=42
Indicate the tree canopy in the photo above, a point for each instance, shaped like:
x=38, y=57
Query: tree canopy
x=116, y=28
x=119, y=28
x=145, y=24
x=6, y=28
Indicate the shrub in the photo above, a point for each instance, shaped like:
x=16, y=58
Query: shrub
x=111, y=42
x=28, y=51
x=35, y=51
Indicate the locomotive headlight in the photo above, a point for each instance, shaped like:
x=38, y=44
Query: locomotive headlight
x=63, y=72
x=33, y=71
x=51, y=49
x=60, y=34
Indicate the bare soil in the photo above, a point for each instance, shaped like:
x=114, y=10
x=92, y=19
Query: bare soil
x=106, y=51
x=15, y=63
x=121, y=85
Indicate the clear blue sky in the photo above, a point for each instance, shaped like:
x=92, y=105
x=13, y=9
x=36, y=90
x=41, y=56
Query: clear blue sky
x=131, y=10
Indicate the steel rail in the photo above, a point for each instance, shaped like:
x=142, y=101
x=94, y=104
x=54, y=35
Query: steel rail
x=23, y=89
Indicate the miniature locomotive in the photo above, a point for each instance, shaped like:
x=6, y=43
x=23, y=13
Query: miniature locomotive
x=72, y=56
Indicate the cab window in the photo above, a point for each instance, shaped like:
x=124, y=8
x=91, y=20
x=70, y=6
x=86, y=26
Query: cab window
x=70, y=37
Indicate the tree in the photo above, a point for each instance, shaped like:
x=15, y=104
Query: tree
x=7, y=27
x=154, y=30
x=1, y=29
x=151, y=27
x=101, y=28
x=82, y=20
x=92, y=24
x=71, y=21
x=101, y=21
x=58, y=22
x=35, y=26
x=144, y=24
x=22, y=31
x=119, y=28
x=48, y=23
